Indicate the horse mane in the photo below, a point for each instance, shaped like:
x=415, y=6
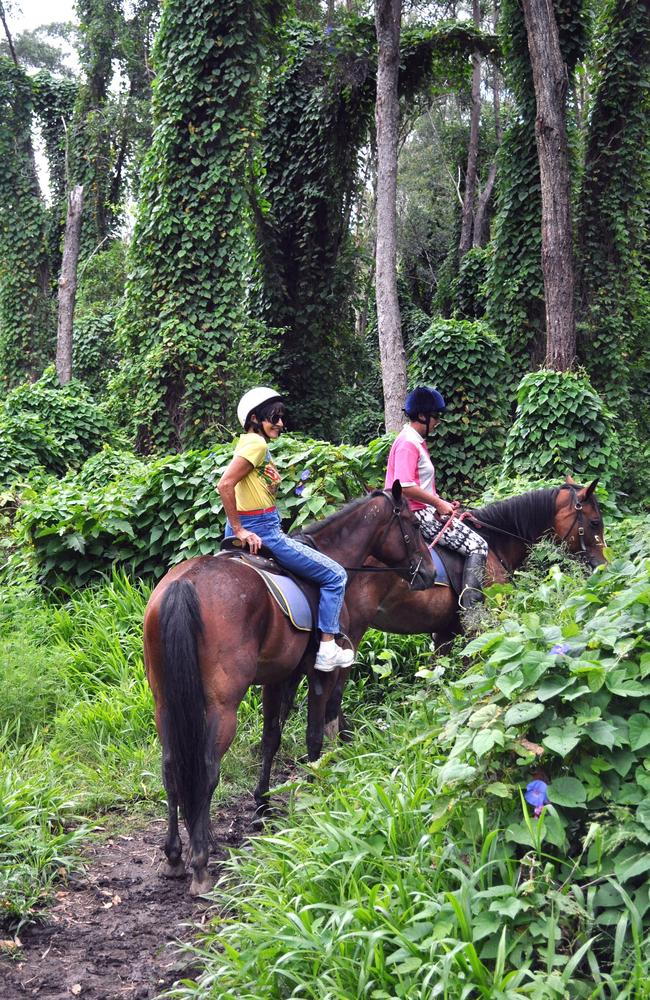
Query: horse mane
x=528, y=515
x=314, y=526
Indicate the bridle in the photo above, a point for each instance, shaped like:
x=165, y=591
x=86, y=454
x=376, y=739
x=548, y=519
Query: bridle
x=414, y=563
x=414, y=560
x=579, y=519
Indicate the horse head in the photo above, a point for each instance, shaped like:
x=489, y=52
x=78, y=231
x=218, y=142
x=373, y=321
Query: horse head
x=578, y=522
x=400, y=544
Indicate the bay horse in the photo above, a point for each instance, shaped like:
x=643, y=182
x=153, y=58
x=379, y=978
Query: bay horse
x=569, y=514
x=211, y=630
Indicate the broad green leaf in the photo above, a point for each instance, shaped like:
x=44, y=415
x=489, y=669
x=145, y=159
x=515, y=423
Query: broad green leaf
x=522, y=712
x=483, y=716
x=638, y=728
x=562, y=741
x=567, y=791
x=602, y=733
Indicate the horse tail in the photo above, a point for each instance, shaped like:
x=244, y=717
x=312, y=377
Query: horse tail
x=184, y=717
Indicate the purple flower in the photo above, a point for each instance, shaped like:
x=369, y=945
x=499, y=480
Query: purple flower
x=298, y=490
x=305, y=474
x=560, y=649
x=535, y=795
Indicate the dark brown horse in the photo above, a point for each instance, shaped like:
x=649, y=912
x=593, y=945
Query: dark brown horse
x=211, y=629
x=568, y=514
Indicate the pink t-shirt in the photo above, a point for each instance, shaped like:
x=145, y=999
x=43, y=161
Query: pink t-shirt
x=410, y=462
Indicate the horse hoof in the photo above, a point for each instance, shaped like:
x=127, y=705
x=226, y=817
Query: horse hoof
x=331, y=729
x=168, y=870
x=200, y=886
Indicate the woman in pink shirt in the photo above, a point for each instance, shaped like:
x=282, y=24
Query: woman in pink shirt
x=410, y=462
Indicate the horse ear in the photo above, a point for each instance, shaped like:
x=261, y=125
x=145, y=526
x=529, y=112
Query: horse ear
x=396, y=490
x=570, y=480
x=590, y=489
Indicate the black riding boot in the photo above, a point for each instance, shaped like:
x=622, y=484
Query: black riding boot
x=471, y=597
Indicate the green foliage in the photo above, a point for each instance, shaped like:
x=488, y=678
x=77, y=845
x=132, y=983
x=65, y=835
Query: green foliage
x=54, y=100
x=95, y=355
x=467, y=363
x=184, y=309
x=24, y=313
x=515, y=283
x=318, y=111
x=48, y=425
x=571, y=677
x=36, y=844
x=414, y=868
x=468, y=288
x=613, y=225
x=561, y=426
x=147, y=516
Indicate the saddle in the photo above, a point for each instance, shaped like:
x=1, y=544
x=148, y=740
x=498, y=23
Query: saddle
x=296, y=598
x=449, y=568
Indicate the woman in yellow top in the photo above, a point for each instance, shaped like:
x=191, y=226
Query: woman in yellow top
x=247, y=489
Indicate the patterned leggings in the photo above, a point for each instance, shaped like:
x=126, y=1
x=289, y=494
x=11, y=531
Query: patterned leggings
x=457, y=536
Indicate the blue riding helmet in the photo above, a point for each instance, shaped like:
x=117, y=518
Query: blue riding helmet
x=425, y=400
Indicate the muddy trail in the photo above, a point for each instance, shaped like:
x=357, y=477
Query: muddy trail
x=111, y=930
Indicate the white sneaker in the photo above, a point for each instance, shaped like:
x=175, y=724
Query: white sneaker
x=338, y=657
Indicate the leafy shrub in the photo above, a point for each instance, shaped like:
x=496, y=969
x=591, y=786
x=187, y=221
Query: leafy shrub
x=48, y=425
x=150, y=515
x=467, y=363
x=468, y=287
x=561, y=425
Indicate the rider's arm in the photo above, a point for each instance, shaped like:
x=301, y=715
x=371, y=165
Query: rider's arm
x=442, y=507
x=237, y=470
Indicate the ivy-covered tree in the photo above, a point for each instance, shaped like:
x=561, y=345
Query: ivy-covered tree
x=186, y=292
x=614, y=201
x=317, y=116
x=24, y=278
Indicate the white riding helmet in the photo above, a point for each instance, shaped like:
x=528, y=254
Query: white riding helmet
x=254, y=398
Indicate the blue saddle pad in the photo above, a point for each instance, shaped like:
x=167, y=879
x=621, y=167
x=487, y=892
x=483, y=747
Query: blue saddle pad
x=290, y=598
x=442, y=577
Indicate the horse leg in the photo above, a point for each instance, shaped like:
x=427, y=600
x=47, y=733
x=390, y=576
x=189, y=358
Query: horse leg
x=320, y=690
x=173, y=866
x=272, y=701
x=221, y=724
x=336, y=723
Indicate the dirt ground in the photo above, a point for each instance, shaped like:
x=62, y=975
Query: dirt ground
x=111, y=931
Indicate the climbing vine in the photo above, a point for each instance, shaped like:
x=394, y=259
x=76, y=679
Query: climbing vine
x=24, y=320
x=515, y=283
x=561, y=426
x=317, y=115
x=54, y=99
x=613, y=221
x=186, y=291
x=465, y=361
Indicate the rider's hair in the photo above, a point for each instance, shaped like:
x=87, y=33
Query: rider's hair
x=262, y=412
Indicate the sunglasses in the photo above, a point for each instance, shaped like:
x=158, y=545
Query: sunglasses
x=277, y=416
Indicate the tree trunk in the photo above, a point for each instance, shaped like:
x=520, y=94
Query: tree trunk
x=388, y=15
x=68, y=285
x=481, y=225
x=550, y=82
x=467, y=224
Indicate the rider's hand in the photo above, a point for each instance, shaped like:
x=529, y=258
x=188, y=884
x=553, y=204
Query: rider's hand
x=250, y=539
x=444, y=509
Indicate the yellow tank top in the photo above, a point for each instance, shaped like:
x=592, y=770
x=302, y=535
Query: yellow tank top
x=256, y=491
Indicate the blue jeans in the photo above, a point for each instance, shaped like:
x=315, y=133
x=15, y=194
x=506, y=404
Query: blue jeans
x=303, y=561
